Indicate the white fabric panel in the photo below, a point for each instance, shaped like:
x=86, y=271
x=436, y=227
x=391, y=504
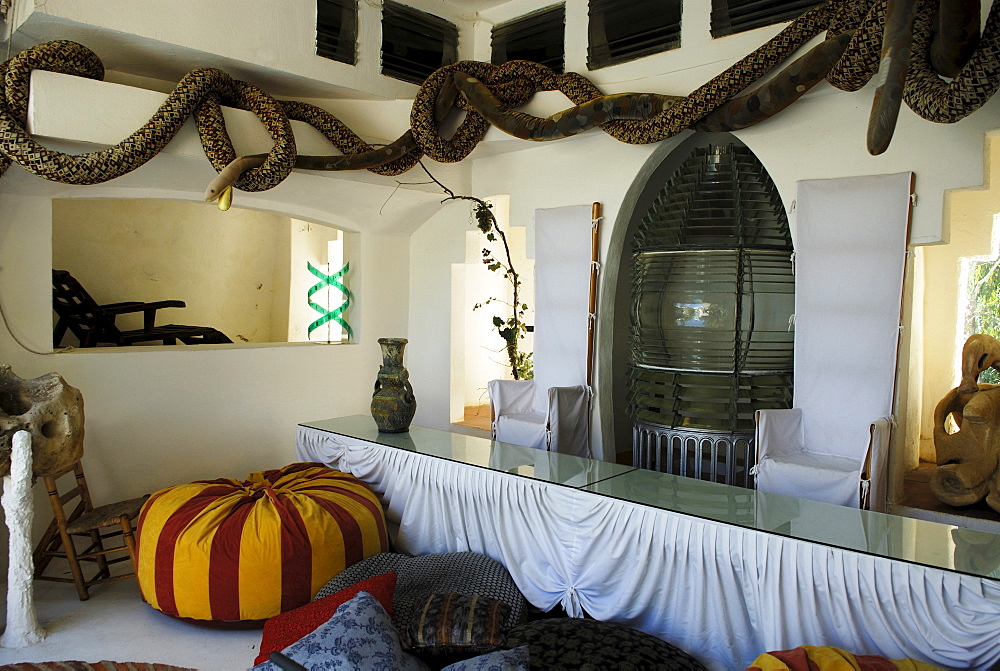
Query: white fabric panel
x=850, y=248
x=515, y=419
x=523, y=428
x=569, y=425
x=562, y=296
x=511, y=396
x=725, y=594
x=779, y=432
x=850, y=252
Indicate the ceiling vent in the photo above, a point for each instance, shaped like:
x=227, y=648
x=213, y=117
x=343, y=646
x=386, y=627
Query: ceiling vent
x=537, y=37
x=415, y=43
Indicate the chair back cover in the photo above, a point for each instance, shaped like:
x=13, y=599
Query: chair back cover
x=562, y=296
x=850, y=251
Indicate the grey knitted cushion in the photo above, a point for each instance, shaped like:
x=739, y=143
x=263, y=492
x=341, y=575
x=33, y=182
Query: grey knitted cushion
x=576, y=644
x=419, y=577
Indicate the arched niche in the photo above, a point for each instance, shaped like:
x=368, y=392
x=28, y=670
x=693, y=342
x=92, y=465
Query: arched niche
x=615, y=305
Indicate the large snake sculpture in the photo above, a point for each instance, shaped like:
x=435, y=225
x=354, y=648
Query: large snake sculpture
x=913, y=45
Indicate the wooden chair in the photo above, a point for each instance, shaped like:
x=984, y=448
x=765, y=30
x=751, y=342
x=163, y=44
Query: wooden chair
x=94, y=324
x=96, y=525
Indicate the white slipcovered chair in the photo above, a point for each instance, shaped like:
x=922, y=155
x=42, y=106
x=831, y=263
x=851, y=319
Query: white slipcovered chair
x=552, y=411
x=850, y=251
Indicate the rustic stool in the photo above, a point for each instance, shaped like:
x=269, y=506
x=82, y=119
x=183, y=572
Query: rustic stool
x=89, y=522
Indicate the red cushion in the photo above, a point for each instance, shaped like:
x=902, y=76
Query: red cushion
x=282, y=630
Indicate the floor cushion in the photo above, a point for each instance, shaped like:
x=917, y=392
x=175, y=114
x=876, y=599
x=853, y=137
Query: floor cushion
x=419, y=577
x=829, y=658
x=515, y=659
x=359, y=635
x=285, y=628
x=228, y=551
x=578, y=644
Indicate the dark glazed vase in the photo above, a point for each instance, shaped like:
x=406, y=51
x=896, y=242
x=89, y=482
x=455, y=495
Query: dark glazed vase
x=393, y=404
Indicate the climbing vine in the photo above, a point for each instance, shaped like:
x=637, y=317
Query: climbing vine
x=512, y=328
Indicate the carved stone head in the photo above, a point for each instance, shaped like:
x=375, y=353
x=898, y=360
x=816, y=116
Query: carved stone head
x=51, y=411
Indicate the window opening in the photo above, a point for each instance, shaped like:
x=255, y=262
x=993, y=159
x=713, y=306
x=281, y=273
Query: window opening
x=623, y=30
x=537, y=37
x=415, y=43
x=337, y=30
x=981, y=314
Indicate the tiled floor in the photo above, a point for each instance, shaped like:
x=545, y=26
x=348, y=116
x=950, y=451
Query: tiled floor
x=115, y=624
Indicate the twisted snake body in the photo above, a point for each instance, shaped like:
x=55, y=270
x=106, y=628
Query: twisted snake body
x=490, y=94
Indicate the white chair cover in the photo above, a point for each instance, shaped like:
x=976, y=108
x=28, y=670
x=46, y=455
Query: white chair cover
x=552, y=411
x=850, y=251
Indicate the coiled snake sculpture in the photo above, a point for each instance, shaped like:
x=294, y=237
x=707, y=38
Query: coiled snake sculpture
x=927, y=52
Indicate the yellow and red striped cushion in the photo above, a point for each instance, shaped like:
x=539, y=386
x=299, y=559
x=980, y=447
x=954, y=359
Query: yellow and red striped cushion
x=225, y=550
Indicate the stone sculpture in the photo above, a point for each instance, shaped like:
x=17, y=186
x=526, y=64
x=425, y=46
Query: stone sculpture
x=22, y=622
x=51, y=411
x=41, y=433
x=968, y=459
x=980, y=352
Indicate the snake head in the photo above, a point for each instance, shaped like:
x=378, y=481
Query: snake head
x=223, y=195
x=221, y=192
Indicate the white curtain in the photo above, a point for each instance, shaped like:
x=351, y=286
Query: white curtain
x=723, y=593
x=562, y=295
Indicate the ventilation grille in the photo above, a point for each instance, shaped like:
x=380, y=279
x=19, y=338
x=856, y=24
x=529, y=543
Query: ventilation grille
x=623, y=30
x=736, y=16
x=537, y=37
x=415, y=43
x=725, y=459
x=712, y=293
x=337, y=29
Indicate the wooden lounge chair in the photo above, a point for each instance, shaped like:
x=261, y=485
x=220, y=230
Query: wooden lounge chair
x=94, y=324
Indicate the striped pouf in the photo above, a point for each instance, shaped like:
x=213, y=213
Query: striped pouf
x=225, y=551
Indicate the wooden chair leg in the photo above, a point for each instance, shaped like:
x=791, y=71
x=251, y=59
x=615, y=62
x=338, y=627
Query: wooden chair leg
x=102, y=561
x=43, y=551
x=74, y=565
x=67, y=541
x=129, y=539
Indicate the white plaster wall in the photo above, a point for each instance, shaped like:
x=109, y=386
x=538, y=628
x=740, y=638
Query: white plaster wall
x=166, y=415
x=223, y=265
x=971, y=217
x=255, y=40
x=432, y=359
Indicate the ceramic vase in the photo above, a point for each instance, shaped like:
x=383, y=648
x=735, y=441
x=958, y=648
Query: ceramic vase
x=393, y=403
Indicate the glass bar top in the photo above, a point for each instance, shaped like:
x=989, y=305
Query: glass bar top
x=560, y=469
x=942, y=546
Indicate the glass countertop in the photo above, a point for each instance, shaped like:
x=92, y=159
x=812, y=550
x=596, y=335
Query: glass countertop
x=560, y=469
x=943, y=546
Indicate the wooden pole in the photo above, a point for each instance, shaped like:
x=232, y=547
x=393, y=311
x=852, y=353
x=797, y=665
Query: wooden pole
x=595, y=225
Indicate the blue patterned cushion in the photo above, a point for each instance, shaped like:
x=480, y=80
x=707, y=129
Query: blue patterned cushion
x=515, y=659
x=359, y=635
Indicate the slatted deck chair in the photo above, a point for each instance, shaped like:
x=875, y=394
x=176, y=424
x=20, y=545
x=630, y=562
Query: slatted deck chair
x=94, y=324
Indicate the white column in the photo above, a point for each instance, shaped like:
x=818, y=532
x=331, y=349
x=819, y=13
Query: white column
x=22, y=625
